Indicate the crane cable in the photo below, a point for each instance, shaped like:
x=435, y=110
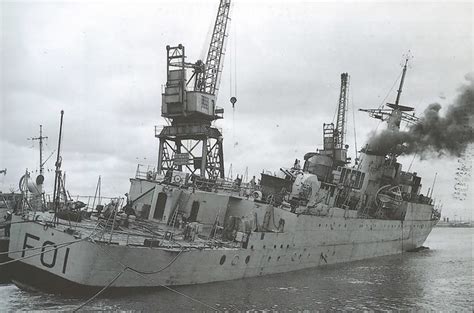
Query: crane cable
x=233, y=81
x=354, y=125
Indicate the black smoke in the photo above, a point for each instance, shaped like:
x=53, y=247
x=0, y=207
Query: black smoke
x=434, y=134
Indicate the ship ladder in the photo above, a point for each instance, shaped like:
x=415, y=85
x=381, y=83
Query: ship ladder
x=172, y=222
x=166, y=158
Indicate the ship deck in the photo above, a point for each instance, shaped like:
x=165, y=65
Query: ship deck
x=139, y=233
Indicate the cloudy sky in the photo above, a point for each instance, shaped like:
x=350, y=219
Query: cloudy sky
x=104, y=64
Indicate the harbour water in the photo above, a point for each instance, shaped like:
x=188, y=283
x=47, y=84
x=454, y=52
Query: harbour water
x=439, y=279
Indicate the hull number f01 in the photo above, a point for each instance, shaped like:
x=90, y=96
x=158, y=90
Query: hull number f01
x=46, y=250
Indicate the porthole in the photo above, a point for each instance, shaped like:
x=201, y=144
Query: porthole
x=278, y=259
x=263, y=246
x=274, y=246
x=287, y=246
x=247, y=259
x=299, y=256
x=269, y=258
x=319, y=225
x=281, y=246
x=251, y=247
x=222, y=259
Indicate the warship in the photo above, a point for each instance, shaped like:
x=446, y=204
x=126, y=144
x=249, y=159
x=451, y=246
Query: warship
x=184, y=223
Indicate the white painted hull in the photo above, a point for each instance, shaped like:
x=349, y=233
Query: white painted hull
x=314, y=241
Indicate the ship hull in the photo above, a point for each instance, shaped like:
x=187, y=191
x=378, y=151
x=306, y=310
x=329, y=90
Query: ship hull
x=5, y=270
x=314, y=241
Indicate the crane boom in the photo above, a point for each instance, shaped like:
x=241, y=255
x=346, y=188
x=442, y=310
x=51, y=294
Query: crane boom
x=341, y=112
x=208, y=80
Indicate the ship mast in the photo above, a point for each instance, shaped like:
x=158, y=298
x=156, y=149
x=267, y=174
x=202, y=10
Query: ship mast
x=40, y=139
x=57, y=177
x=399, y=91
x=397, y=112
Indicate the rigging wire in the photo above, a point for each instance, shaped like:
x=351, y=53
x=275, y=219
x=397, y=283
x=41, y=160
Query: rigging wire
x=354, y=125
x=335, y=112
x=411, y=163
x=388, y=93
x=385, y=98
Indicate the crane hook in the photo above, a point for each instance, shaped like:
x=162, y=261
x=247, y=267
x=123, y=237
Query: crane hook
x=233, y=100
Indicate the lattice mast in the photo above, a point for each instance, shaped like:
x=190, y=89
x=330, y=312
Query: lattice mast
x=340, y=130
x=191, y=143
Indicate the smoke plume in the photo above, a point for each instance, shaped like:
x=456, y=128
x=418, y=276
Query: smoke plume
x=434, y=134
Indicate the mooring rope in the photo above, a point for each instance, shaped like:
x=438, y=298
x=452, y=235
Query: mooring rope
x=143, y=274
x=57, y=246
x=125, y=267
x=45, y=251
x=100, y=291
x=181, y=294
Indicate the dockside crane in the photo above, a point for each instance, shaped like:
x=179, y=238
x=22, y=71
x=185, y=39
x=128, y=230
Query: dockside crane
x=191, y=143
x=333, y=136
